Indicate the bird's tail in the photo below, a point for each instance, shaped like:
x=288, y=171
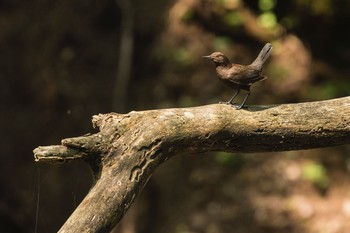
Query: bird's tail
x=263, y=56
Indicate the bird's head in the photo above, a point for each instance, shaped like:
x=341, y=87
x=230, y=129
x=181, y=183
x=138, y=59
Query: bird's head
x=218, y=58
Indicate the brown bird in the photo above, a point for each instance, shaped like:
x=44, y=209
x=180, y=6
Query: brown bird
x=240, y=77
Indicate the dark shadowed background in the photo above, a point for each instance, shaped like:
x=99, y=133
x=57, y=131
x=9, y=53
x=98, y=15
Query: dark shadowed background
x=63, y=61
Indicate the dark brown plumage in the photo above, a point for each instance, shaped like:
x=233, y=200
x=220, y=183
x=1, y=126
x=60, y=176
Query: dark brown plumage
x=240, y=77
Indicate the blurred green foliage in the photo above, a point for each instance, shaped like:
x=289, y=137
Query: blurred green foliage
x=231, y=160
x=233, y=18
x=327, y=90
x=289, y=21
x=186, y=101
x=277, y=72
x=267, y=5
x=222, y=43
x=182, y=228
x=268, y=20
x=317, y=7
x=182, y=56
x=316, y=173
x=187, y=15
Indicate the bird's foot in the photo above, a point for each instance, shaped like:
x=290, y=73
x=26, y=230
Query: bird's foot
x=233, y=105
x=227, y=103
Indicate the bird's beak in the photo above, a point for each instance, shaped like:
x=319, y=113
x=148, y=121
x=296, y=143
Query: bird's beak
x=206, y=57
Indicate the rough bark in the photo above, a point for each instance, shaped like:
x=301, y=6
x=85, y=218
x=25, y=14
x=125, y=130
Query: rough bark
x=129, y=147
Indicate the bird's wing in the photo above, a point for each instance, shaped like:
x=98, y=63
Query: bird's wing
x=244, y=75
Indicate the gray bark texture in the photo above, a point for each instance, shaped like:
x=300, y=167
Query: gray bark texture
x=129, y=147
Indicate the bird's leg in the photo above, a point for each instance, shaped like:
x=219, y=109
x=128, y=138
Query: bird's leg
x=245, y=99
x=233, y=97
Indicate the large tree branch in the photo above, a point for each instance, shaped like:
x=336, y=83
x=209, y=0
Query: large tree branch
x=129, y=147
